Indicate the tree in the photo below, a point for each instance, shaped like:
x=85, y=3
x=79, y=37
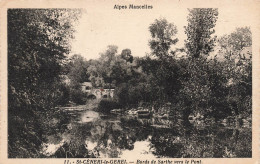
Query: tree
x=201, y=22
x=196, y=92
x=241, y=38
x=77, y=69
x=94, y=74
x=166, y=73
x=232, y=44
x=100, y=70
x=237, y=51
x=163, y=37
x=111, y=68
x=38, y=41
x=126, y=55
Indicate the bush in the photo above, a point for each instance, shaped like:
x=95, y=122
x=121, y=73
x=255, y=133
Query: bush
x=78, y=97
x=106, y=105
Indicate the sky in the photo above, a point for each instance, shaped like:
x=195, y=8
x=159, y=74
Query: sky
x=101, y=26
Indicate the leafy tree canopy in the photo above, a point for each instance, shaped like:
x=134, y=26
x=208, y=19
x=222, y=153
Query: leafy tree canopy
x=201, y=23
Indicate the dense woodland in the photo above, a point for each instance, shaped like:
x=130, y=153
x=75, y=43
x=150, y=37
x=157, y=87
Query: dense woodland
x=209, y=75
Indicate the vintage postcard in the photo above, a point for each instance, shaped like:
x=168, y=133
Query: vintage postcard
x=129, y=82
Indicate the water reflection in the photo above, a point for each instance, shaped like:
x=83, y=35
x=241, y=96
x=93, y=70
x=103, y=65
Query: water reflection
x=91, y=136
x=89, y=116
x=141, y=150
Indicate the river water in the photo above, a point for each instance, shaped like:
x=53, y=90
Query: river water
x=90, y=134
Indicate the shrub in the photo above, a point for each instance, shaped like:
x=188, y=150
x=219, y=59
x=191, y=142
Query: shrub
x=106, y=105
x=78, y=97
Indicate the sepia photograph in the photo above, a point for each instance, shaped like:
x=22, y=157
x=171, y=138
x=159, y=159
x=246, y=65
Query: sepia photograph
x=129, y=79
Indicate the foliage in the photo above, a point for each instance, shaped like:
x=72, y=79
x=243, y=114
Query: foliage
x=42, y=77
x=38, y=40
x=126, y=54
x=100, y=70
x=77, y=96
x=75, y=70
x=195, y=84
x=237, y=40
x=237, y=69
x=106, y=105
x=201, y=23
x=163, y=37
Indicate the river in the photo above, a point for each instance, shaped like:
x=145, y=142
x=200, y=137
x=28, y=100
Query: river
x=90, y=134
